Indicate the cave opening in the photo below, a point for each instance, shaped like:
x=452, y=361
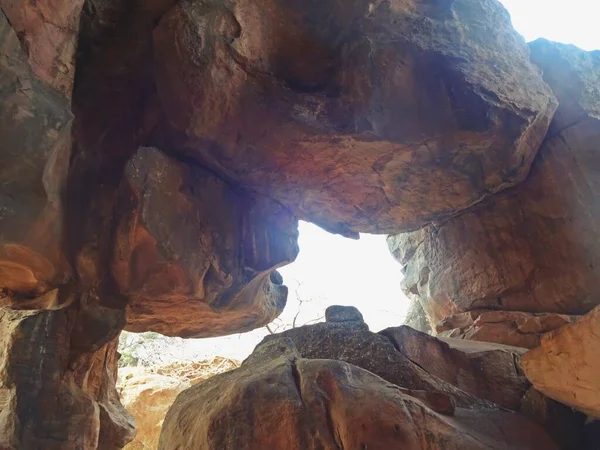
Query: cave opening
x=329, y=270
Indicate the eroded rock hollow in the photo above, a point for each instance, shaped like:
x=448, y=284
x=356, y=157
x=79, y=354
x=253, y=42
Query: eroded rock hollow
x=157, y=155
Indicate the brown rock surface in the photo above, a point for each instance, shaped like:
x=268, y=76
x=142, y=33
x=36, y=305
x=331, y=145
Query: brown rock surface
x=503, y=327
x=47, y=30
x=277, y=400
x=535, y=247
x=566, y=365
x=153, y=176
x=53, y=395
x=488, y=371
x=36, y=144
x=569, y=429
x=194, y=256
x=355, y=344
x=363, y=116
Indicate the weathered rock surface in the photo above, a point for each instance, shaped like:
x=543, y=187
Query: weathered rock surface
x=488, y=371
x=504, y=327
x=569, y=429
x=566, y=365
x=36, y=144
x=147, y=397
x=194, y=256
x=355, y=344
x=277, y=399
x=366, y=116
x=533, y=248
x=48, y=31
x=343, y=314
x=53, y=394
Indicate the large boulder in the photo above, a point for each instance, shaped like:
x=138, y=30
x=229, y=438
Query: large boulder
x=362, y=116
x=470, y=379
x=566, y=365
x=279, y=400
x=533, y=248
x=488, y=371
x=515, y=328
x=194, y=256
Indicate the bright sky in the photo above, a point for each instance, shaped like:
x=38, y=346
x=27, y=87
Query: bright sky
x=335, y=270
x=567, y=21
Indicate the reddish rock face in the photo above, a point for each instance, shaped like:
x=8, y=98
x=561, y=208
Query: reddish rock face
x=488, y=371
x=48, y=31
x=356, y=345
x=58, y=390
x=194, y=256
x=278, y=400
x=154, y=178
x=532, y=248
x=467, y=372
x=363, y=116
x=504, y=327
x=565, y=366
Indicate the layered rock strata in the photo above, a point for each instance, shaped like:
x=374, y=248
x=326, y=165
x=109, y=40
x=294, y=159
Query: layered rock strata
x=530, y=249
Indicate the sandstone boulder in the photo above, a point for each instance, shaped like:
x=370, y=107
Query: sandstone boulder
x=194, y=256
x=363, y=116
x=566, y=365
x=355, y=344
x=278, y=400
x=533, y=248
x=504, y=327
x=488, y=371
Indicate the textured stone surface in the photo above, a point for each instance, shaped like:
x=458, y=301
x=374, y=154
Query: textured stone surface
x=47, y=30
x=504, y=327
x=343, y=314
x=278, y=400
x=147, y=397
x=569, y=429
x=488, y=371
x=356, y=345
x=363, y=116
x=194, y=256
x=36, y=144
x=53, y=394
x=535, y=247
x=566, y=365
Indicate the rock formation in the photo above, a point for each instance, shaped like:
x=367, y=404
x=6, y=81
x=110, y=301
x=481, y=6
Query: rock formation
x=277, y=399
x=157, y=154
x=379, y=353
x=362, y=116
x=515, y=328
x=533, y=248
x=566, y=365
